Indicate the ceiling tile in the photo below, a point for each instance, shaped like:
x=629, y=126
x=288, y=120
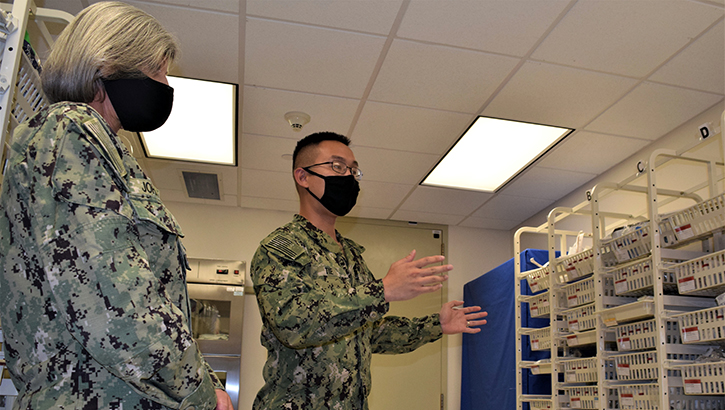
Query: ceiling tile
x=590, y=152
x=265, y=153
x=546, y=183
x=440, y=77
x=555, y=95
x=507, y=27
x=512, y=208
x=625, y=37
x=372, y=16
x=444, y=200
x=304, y=58
x=488, y=223
x=264, y=111
x=382, y=195
x=425, y=217
x=410, y=129
x=652, y=110
x=268, y=184
x=198, y=59
x=393, y=166
x=700, y=66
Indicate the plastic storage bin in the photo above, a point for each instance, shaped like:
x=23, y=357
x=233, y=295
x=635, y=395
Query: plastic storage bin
x=580, y=318
x=584, y=397
x=582, y=370
x=581, y=338
x=582, y=292
x=704, y=276
x=539, y=339
x=627, y=247
x=704, y=378
x=575, y=266
x=706, y=325
x=627, y=313
x=538, y=304
x=644, y=336
x=636, y=278
x=637, y=366
x=538, y=279
x=699, y=219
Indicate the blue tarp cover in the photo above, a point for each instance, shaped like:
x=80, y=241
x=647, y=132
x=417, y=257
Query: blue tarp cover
x=488, y=378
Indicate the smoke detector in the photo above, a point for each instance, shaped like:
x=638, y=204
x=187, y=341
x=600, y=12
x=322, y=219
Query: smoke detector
x=297, y=120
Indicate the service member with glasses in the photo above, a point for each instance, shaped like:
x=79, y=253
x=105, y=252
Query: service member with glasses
x=323, y=311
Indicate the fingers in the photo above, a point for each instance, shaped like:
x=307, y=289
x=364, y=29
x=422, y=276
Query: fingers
x=428, y=260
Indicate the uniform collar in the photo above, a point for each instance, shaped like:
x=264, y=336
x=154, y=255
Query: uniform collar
x=319, y=236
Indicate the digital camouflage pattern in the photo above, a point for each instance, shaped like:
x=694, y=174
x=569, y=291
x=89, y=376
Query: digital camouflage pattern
x=95, y=307
x=323, y=317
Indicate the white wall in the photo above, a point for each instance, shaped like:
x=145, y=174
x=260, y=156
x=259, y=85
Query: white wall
x=472, y=252
x=219, y=232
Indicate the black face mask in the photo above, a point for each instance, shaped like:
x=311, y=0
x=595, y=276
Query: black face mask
x=340, y=193
x=142, y=104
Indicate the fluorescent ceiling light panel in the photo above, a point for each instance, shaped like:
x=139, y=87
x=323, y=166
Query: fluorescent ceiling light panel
x=492, y=152
x=202, y=126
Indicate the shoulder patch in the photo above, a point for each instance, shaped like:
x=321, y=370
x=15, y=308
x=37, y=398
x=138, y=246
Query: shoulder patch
x=284, y=246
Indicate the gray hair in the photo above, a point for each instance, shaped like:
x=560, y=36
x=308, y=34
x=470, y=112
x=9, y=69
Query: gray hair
x=107, y=40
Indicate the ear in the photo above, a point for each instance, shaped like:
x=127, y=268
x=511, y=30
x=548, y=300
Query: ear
x=301, y=177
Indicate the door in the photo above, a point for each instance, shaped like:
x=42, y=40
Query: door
x=412, y=380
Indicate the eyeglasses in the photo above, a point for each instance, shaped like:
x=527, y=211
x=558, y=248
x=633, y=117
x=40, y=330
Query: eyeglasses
x=340, y=168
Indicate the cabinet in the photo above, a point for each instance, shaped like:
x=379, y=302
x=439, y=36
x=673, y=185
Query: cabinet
x=632, y=314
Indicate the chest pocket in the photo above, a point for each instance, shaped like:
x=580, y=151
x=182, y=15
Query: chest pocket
x=147, y=205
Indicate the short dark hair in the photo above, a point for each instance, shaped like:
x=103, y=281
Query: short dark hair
x=314, y=139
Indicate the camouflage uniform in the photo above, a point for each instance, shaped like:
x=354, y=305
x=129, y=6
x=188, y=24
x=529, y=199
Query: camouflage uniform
x=94, y=303
x=322, y=313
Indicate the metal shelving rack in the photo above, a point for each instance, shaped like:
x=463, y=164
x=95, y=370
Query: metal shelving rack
x=653, y=372
x=20, y=97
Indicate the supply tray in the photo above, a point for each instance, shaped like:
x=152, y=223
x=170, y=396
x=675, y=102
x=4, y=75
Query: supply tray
x=636, y=278
x=575, y=266
x=637, y=366
x=582, y=397
x=627, y=247
x=705, y=325
x=538, y=279
x=538, y=304
x=581, y=370
x=580, y=318
x=538, y=367
x=628, y=313
x=581, y=338
x=703, y=276
x=698, y=220
x=539, y=339
x=582, y=292
x=646, y=397
x=704, y=378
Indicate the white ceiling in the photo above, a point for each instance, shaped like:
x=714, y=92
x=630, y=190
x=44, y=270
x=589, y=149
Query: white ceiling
x=404, y=78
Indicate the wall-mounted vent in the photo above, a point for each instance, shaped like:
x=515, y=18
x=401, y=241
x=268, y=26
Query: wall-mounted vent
x=200, y=185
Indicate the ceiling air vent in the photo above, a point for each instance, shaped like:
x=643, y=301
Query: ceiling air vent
x=200, y=185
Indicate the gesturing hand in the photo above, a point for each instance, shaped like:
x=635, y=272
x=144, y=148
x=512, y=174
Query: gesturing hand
x=461, y=320
x=408, y=278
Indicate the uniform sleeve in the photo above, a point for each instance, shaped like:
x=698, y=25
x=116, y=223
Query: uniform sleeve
x=100, y=280
x=305, y=310
x=395, y=334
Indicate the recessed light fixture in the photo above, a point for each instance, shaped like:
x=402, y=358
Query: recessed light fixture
x=202, y=126
x=492, y=152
